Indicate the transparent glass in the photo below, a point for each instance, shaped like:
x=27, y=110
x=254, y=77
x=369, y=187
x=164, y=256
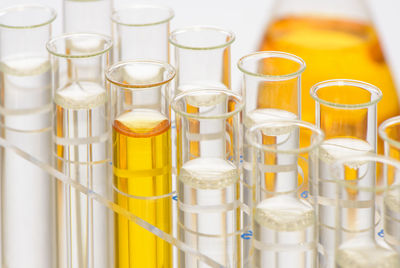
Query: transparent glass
x=271, y=86
x=208, y=156
x=88, y=16
x=81, y=131
x=57, y=177
x=27, y=193
x=336, y=39
x=142, y=161
x=360, y=210
x=284, y=220
x=350, y=127
x=141, y=32
x=271, y=90
x=389, y=131
x=202, y=57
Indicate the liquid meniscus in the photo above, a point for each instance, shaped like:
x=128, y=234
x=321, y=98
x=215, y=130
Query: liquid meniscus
x=367, y=257
x=208, y=173
x=284, y=213
x=81, y=95
x=337, y=148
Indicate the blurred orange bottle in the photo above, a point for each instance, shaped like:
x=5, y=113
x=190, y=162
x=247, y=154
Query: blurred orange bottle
x=336, y=39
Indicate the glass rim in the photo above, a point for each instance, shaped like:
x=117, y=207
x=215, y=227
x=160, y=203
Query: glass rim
x=52, y=15
x=384, y=126
x=369, y=157
x=108, y=73
x=230, y=93
x=376, y=93
x=272, y=54
x=51, y=42
x=199, y=28
x=250, y=137
x=171, y=15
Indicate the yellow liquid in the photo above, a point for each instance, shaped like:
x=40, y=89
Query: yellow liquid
x=142, y=167
x=334, y=49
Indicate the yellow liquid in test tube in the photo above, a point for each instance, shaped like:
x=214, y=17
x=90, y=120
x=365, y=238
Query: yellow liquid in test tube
x=142, y=168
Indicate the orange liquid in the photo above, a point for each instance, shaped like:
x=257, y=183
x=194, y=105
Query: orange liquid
x=334, y=49
x=142, y=167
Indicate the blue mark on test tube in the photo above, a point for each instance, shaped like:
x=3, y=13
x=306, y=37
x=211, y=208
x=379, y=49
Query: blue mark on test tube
x=304, y=194
x=247, y=235
x=381, y=233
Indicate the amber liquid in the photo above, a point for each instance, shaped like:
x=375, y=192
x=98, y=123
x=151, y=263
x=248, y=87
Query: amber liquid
x=142, y=168
x=334, y=49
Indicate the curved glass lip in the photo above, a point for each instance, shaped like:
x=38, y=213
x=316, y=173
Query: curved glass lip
x=199, y=28
x=226, y=92
x=170, y=16
x=272, y=54
x=369, y=157
x=52, y=15
x=121, y=64
x=382, y=130
x=376, y=93
x=107, y=47
x=320, y=136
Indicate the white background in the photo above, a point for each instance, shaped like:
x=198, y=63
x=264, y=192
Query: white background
x=248, y=19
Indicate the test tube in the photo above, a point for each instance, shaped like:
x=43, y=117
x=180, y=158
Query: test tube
x=89, y=16
x=208, y=181
x=389, y=131
x=81, y=132
x=141, y=32
x=202, y=57
x=271, y=89
x=142, y=160
x=271, y=86
x=27, y=193
x=284, y=222
x=359, y=212
x=350, y=127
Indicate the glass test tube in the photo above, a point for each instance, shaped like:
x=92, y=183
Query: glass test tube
x=389, y=131
x=359, y=212
x=350, y=127
x=202, y=57
x=208, y=176
x=142, y=160
x=141, y=32
x=284, y=222
x=271, y=86
x=27, y=193
x=89, y=16
x=271, y=89
x=81, y=132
